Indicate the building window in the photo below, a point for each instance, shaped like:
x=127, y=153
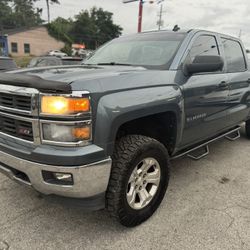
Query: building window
x=27, y=48
x=14, y=48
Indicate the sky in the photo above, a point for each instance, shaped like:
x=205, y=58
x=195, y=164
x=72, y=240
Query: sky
x=225, y=16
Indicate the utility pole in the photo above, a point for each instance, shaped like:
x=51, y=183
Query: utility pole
x=140, y=16
x=160, y=21
x=139, y=29
x=141, y=2
x=240, y=33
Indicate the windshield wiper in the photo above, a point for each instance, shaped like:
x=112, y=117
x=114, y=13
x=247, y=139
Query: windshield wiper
x=114, y=63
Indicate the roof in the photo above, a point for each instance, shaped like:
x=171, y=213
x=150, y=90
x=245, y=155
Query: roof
x=190, y=31
x=166, y=31
x=22, y=29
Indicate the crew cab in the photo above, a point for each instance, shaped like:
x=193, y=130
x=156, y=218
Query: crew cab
x=104, y=133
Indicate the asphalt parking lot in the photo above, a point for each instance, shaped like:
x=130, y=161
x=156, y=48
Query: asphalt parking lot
x=207, y=207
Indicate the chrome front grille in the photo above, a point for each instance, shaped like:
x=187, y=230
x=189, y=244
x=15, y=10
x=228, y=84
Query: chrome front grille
x=16, y=128
x=17, y=102
x=19, y=113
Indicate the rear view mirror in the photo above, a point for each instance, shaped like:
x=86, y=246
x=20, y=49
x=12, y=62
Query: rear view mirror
x=205, y=64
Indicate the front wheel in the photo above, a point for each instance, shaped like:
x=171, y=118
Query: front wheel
x=139, y=179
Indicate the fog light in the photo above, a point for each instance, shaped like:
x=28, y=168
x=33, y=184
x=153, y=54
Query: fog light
x=63, y=177
x=58, y=178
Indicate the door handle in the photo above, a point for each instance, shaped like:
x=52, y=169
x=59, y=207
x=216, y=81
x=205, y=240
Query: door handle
x=223, y=85
x=248, y=80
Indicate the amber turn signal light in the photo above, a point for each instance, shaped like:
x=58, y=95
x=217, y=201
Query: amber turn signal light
x=82, y=133
x=59, y=105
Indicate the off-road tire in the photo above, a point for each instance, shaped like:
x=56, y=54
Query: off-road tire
x=129, y=151
x=248, y=129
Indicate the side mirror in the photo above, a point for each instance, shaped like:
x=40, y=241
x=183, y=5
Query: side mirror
x=205, y=64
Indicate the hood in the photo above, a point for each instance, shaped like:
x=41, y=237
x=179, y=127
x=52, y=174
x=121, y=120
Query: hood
x=98, y=78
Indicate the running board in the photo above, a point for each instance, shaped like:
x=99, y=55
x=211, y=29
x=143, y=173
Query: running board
x=191, y=152
x=199, y=155
x=236, y=135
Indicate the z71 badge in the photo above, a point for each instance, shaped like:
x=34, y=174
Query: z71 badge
x=24, y=131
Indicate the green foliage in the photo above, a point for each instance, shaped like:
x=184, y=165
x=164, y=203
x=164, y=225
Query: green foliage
x=93, y=28
x=106, y=29
x=60, y=29
x=5, y=13
x=23, y=62
x=67, y=49
x=19, y=13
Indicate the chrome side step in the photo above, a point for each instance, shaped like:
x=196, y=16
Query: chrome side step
x=236, y=135
x=231, y=135
x=199, y=156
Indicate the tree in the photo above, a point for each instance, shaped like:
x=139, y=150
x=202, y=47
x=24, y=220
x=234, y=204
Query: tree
x=106, y=29
x=24, y=13
x=60, y=29
x=5, y=14
x=19, y=13
x=94, y=27
x=48, y=2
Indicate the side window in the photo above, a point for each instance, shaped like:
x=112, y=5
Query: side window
x=234, y=56
x=14, y=47
x=204, y=45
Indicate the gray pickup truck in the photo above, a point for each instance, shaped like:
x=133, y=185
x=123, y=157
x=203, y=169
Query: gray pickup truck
x=103, y=133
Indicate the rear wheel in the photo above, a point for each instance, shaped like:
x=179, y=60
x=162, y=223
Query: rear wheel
x=139, y=179
x=248, y=129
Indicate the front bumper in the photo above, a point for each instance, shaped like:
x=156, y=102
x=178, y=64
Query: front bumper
x=89, y=180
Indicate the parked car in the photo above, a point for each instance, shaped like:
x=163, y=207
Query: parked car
x=57, y=53
x=7, y=63
x=71, y=60
x=83, y=53
x=44, y=61
x=106, y=131
x=86, y=53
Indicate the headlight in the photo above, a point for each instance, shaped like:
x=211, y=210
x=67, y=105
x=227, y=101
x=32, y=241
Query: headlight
x=60, y=105
x=66, y=133
x=71, y=125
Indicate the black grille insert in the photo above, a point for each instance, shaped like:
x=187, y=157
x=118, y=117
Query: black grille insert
x=15, y=101
x=17, y=128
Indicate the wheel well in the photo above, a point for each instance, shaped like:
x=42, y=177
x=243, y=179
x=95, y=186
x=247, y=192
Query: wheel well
x=162, y=127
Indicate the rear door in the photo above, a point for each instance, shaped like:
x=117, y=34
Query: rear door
x=239, y=80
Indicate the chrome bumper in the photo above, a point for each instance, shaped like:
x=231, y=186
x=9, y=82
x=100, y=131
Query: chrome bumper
x=89, y=180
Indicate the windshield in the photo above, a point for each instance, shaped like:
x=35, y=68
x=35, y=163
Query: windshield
x=150, y=50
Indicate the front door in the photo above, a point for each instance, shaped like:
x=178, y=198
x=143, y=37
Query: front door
x=205, y=96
